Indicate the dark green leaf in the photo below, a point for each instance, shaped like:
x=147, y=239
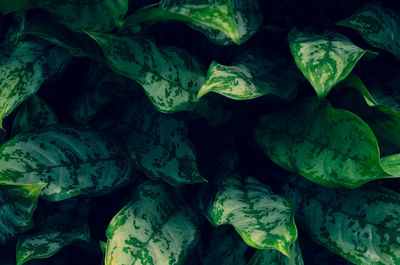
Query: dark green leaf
x=269, y=257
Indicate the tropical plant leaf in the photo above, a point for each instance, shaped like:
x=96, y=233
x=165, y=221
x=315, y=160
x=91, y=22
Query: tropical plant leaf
x=331, y=147
x=33, y=114
x=267, y=257
x=152, y=229
x=391, y=164
x=264, y=220
x=361, y=225
x=252, y=76
x=24, y=71
x=324, y=59
x=17, y=205
x=58, y=225
x=379, y=26
x=158, y=144
x=71, y=161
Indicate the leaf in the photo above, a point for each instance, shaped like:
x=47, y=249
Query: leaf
x=324, y=59
x=267, y=257
x=71, y=161
x=59, y=225
x=78, y=15
x=17, y=205
x=252, y=76
x=24, y=71
x=331, y=147
x=152, y=229
x=391, y=164
x=33, y=114
x=361, y=225
x=378, y=26
x=264, y=220
x=158, y=144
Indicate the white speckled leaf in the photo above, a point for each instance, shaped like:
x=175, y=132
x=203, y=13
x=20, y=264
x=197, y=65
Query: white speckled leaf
x=379, y=26
x=34, y=113
x=71, y=161
x=331, y=147
x=17, y=205
x=264, y=220
x=58, y=225
x=153, y=229
x=24, y=71
x=269, y=257
x=158, y=144
x=324, y=59
x=252, y=76
x=361, y=225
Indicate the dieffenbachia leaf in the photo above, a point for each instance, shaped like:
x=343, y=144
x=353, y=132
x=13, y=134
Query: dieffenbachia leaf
x=154, y=228
x=78, y=15
x=362, y=225
x=57, y=226
x=71, y=161
x=391, y=164
x=379, y=26
x=34, y=113
x=24, y=71
x=268, y=257
x=324, y=59
x=264, y=220
x=158, y=144
x=226, y=248
x=17, y=205
x=331, y=147
x=252, y=76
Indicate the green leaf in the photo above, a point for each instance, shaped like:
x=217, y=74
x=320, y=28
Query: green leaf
x=71, y=161
x=58, y=225
x=391, y=164
x=154, y=228
x=24, y=71
x=331, y=147
x=324, y=59
x=378, y=26
x=17, y=205
x=268, y=257
x=34, y=113
x=361, y=225
x=264, y=220
x=252, y=76
x=79, y=15
x=158, y=144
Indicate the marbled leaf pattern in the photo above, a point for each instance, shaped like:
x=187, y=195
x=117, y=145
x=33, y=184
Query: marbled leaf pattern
x=269, y=257
x=153, y=229
x=324, y=59
x=264, y=220
x=71, y=161
x=331, y=147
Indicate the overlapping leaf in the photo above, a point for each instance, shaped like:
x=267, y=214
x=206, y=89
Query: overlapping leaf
x=324, y=59
x=361, y=225
x=71, y=161
x=329, y=146
x=268, y=257
x=264, y=220
x=152, y=229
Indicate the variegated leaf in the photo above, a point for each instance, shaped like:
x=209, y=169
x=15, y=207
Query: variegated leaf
x=252, y=76
x=379, y=26
x=34, y=113
x=158, y=144
x=269, y=257
x=152, y=229
x=71, y=161
x=331, y=147
x=24, y=71
x=391, y=164
x=92, y=15
x=324, y=59
x=58, y=225
x=17, y=205
x=361, y=225
x=264, y=220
